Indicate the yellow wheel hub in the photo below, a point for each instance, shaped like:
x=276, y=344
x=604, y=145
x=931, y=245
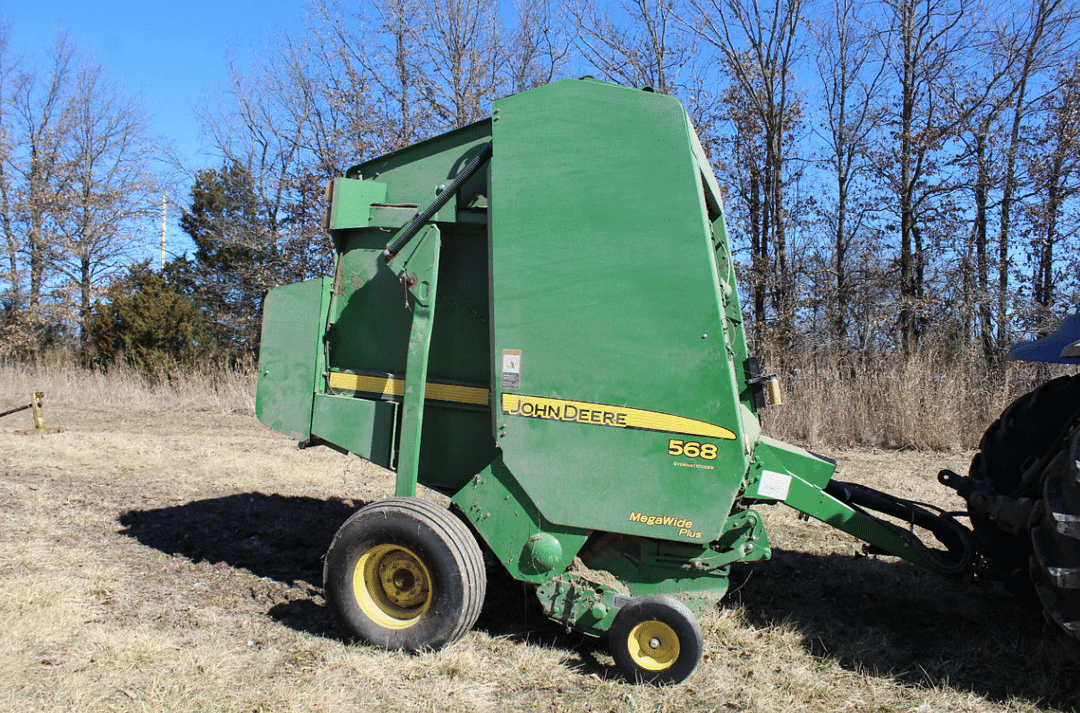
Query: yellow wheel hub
x=392, y=586
x=653, y=645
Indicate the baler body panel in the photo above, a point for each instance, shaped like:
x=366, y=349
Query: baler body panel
x=610, y=340
x=289, y=355
x=583, y=322
x=368, y=328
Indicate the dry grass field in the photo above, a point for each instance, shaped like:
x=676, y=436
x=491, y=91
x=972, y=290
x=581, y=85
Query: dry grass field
x=163, y=554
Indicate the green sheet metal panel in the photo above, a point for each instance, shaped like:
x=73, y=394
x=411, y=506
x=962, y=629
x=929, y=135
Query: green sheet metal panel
x=371, y=318
x=351, y=200
x=414, y=174
x=613, y=375
x=361, y=426
x=368, y=331
x=777, y=456
x=368, y=335
x=293, y=316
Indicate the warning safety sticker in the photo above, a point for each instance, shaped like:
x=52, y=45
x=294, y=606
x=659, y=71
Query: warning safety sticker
x=511, y=368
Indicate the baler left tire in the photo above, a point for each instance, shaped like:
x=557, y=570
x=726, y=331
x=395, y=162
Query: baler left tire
x=655, y=639
x=404, y=574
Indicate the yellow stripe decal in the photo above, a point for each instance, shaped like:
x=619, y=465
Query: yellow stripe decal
x=389, y=386
x=607, y=415
x=459, y=394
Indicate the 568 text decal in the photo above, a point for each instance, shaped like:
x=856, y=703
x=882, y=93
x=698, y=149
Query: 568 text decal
x=691, y=449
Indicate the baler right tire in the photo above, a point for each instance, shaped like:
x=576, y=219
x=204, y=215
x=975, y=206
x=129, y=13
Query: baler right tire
x=655, y=639
x=405, y=574
x=1026, y=429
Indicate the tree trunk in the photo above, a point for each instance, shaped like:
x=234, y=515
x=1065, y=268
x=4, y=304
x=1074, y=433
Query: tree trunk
x=982, y=271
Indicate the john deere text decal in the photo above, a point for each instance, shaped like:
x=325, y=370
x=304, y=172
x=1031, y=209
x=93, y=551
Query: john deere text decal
x=607, y=415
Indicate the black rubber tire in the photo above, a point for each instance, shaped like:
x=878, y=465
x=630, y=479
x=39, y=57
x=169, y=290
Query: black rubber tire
x=1026, y=430
x=404, y=574
x=673, y=630
x=1055, y=567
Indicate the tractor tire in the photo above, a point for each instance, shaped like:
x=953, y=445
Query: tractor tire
x=1055, y=567
x=404, y=574
x=1024, y=432
x=655, y=639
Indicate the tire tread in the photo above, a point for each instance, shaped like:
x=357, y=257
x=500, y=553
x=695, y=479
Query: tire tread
x=459, y=542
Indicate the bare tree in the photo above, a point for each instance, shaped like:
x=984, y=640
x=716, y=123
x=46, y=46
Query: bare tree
x=262, y=131
x=1048, y=24
x=538, y=47
x=38, y=104
x=641, y=44
x=1013, y=52
x=851, y=69
x=759, y=45
x=32, y=187
x=461, y=51
x=11, y=294
x=109, y=185
x=380, y=55
x=76, y=174
x=932, y=41
x=1056, y=168
x=400, y=26
x=745, y=173
x=300, y=117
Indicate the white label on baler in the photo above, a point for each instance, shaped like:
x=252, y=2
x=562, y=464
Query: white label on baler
x=511, y=369
x=774, y=485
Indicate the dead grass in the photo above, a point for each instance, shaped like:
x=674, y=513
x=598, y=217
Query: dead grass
x=929, y=401
x=163, y=555
x=208, y=388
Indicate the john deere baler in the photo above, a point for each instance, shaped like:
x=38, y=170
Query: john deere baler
x=536, y=315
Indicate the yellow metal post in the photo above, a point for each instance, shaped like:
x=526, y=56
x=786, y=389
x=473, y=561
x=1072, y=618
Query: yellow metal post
x=39, y=417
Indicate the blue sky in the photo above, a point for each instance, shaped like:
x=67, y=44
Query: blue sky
x=169, y=54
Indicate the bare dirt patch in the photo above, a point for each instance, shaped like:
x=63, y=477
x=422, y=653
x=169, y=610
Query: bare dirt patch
x=170, y=560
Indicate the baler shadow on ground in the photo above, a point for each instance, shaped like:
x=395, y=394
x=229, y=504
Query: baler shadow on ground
x=886, y=617
x=284, y=539
x=276, y=537
x=871, y=615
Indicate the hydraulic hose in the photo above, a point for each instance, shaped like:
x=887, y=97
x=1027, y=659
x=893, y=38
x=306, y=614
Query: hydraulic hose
x=425, y=215
x=955, y=537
